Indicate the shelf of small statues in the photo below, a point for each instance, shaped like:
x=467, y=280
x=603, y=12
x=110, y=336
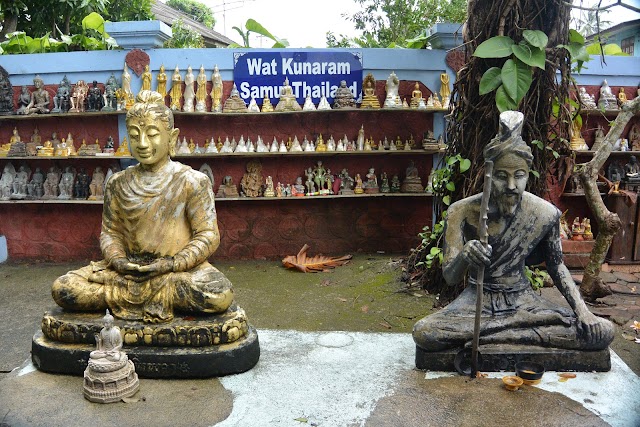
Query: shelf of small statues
x=606, y=113
x=227, y=199
x=58, y=115
x=64, y=157
x=307, y=112
x=613, y=153
x=308, y=153
x=578, y=194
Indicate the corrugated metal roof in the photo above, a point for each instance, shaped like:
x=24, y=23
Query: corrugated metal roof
x=168, y=15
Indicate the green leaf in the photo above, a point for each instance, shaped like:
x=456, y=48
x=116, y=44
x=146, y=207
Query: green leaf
x=495, y=47
x=253, y=25
x=576, y=37
x=490, y=80
x=538, y=144
x=594, y=49
x=503, y=101
x=452, y=160
x=612, y=49
x=446, y=200
x=532, y=56
x=535, y=173
x=435, y=251
x=451, y=186
x=536, y=38
x=93, y=21
x=465, y=164
x=516, y=79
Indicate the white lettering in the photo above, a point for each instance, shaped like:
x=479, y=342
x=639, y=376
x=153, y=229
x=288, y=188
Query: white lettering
x=245, y=90
x=254, y=66
x=286, y=66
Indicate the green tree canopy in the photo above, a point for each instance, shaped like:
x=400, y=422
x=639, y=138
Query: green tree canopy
x=195, y=10
x=392, y=22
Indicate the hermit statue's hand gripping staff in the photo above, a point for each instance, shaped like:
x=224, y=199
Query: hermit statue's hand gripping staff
x=483, y=236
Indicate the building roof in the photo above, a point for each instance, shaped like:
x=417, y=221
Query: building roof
x=617, y=28
x=168, y=15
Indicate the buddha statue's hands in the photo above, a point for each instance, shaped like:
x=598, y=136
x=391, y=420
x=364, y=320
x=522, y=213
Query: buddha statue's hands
x=475, y=253
x=124, y=266
x=147, y=272
x=594, y=329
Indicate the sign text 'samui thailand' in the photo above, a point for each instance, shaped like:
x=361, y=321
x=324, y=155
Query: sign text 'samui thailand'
x=316, y=74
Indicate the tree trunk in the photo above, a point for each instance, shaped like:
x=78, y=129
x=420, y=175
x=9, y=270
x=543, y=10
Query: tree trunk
x=9, y=25
x=592, y=286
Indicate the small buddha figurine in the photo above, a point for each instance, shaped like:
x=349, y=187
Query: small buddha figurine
x=97, y=184
x=66, y=184
x=308, y=104
x=324, y=104
x=288, y=101
x=282, y=148
x=359, y=188
x=577, y=232
x=20, y=183
x=253, y=106
x=267, y=107
x=216, y=90
x=6, y=181
x=297, y=190
x=607, y=100
x=416, y=96
x=392, y=86
x=436, y=102
x=412, y=182
x=34, y=143
x=634, y=137
x=384, y=186
x=331, y=144
x=269, y=189
x=192, y=146
x=577, y=141
x=346, y=183
x=588, y=101
x=632, y=171
x=369, y=98
x=146, y=78
x=15, y=136
x=586, y=226
x=23, y=100
x=344, y=97
x=234, y=104
x=320, y=145
x=46, y=150
x=295, y=145
x=176, y=90
x=39, y=102
x=61, y=101
x=211, y=147
x=60, y=150
x=189, y=91
x=123, y=149
x=162, y=82
x=81, y=186
x=615, y=172
x=227, y=188
x=35, y=188
x=183, y=148
x=622, y=97
x=599, y=138
x=109, y=146
x=110, y=98
x=6, y=95
x=367, y=145
x=371, y=185
x=127, y=94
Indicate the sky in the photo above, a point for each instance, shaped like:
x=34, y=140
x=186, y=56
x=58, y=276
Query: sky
x=304, y=23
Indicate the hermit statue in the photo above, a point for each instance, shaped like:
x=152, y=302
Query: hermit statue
x=79, y=97
x=344, y=97
x=96, y=184
x=66, y=183
x=6, y=94
x=176, y=90
x=201, y=92
x=20, y=183
x=61, y=102
x=39, y=103
x=6, y=181
x=95, y=97
x=51, y=183
x=189, y=90
x=35, y=188
x=346, y=182
x=216, y=90
x=109, y=376
x=110, y=97
x=23, y=100
x=521, y=227
x=588, y=101
x=369, y=97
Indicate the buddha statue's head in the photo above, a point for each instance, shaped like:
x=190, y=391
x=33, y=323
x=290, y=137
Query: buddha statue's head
x=150, y=127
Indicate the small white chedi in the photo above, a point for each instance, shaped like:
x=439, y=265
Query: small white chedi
x=110, y=375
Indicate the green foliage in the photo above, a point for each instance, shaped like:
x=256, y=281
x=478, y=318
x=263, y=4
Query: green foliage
x=92, y=37
x=513, y=80
x=253, y=26
x=195, y=10
x=129, y=10
x=536, y=277
x=183, y=37
x=398, y=23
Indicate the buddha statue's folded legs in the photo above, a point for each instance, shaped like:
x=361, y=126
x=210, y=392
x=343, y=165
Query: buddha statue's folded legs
x=96, y=287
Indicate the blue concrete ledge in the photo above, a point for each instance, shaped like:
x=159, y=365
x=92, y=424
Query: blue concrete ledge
x=139, y=34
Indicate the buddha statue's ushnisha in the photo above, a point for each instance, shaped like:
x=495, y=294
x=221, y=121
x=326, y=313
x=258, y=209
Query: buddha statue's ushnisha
x=159, y=228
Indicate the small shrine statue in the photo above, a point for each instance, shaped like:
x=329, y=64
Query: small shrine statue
x=346, y=182
x=634, y=137
x=35, y=188
x=395, y=184
x=66, y=184
x=61, y=102
x=17, y=148
x=607, y=100
x=253, y=106
x=123, y=149
x=189, y=91
x=320, y=145
x=127, y=93
x=51, y=183
x=110, y=375
x=323, y=105
x=96, y=101
x=267, y=107
x=176, y=90
x=577, y=231
x=20, y=183
x=359, y=187
x=227, y=188
x=161, y=80
x=369, y=97
x=6, y=181
x=216, y=90
x=384, y=186
x=412, y=182
x=520, y=226
x=234, y=104
x=622, y=97
x=344, y=97
x=308, y=104
x=586, y=227
x=146, y=78
x=79, y=97
x=269, y=189
x=39, y=103
x=96, y=185
x=371, y=185
x=287, y=101
x=565, y=230
x=598, y=138
x=577, y=141
x=393, y=84
x=416, y=96
x=632, y=171
x=110, y=98
x=588, y=101
x=109, y=146
x=6, y=94
x=251, y=183
x=615, y=172
x=23, y=100
x=34, y=143
x=309, y=183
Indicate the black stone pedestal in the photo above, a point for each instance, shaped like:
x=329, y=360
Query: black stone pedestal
x=154, y=362
x=504, y=357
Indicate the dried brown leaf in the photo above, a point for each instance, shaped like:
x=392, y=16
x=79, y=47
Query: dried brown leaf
x=566, y=375
x=343, y=299
x=364, y=308
x=313, y=264
x=385, y=325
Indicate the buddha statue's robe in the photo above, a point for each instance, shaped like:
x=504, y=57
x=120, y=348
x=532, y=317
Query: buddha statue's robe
x=146, y=216
x=512, y=311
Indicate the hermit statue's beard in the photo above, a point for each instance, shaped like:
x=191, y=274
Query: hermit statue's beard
x=507, y=203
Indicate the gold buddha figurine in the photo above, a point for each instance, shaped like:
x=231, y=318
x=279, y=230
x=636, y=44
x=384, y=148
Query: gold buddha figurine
x=176, y=90
x=577, y=141
x=416, y=96
x=201, y=92
x=216, y=90
x=267, y=107
x=320, y=145
x=288, y=101
x=234, y=104
x=622, y=97
x=155, y=249
x=123, y=149
x=47, y=150
x=192, y=146
x=61, y=149
x=369, y=98
x=162, y=82
x=146, y=78
x=445, y=90
x=436, y=102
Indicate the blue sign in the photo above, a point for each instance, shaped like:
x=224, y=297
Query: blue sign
x=262, y=74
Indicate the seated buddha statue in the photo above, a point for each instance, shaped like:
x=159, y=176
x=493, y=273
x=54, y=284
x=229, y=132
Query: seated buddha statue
x=416, y=96
x=607, y=100
x=47, y=150
x=288, y=101
x=369, y=98
x=344, y=97
x=159, y=228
